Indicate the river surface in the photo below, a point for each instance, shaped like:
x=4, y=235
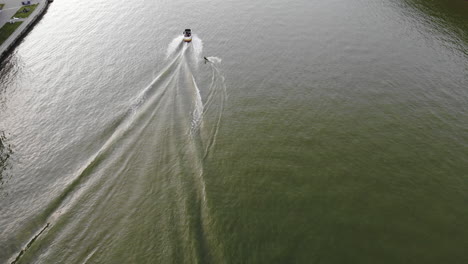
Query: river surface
x=319, y=132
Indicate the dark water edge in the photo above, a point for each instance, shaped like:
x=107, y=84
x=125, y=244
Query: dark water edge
x=450, y=15
x=396, y=210
x=5, y=153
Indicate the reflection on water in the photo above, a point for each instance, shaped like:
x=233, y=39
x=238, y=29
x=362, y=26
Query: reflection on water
x=449, y=16
x=5, y=153
x=343, y=139
x=181, y=130
x=9, y=68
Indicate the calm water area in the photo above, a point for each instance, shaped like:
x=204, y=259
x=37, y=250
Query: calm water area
x=319, y=132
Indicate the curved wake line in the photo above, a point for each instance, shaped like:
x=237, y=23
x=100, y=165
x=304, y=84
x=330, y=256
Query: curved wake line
x=30, y=243
x=218, y=93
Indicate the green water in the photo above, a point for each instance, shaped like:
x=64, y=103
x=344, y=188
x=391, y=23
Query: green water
x=320, y=132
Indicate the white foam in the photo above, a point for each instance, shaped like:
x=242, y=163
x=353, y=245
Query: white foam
x=214, y=59
x=197, y=44
x=198, y=107
x=173, y=45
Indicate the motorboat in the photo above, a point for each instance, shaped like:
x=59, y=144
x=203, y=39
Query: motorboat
x=187, y=35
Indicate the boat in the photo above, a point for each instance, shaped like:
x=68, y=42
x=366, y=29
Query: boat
x=187, y=35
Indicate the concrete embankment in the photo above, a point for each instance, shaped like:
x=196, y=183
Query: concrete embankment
x=19, y=33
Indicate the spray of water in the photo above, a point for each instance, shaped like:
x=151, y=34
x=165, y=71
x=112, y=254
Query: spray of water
x=214, y=60
x=175, y=43
x=197, y=45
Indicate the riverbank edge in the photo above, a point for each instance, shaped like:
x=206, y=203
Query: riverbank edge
x=22, y=30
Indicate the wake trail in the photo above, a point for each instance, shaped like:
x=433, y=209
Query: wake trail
x=149, y=98
x=215, y=103
x=175, y=130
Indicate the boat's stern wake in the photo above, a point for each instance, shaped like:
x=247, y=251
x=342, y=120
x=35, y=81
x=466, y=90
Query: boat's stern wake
x=142, y=196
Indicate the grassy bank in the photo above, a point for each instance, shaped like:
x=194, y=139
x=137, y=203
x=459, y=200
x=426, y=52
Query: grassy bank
x=1, y=6
x=7, y=30
x=21, y=14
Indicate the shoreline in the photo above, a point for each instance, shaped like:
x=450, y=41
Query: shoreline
x=22, y=30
